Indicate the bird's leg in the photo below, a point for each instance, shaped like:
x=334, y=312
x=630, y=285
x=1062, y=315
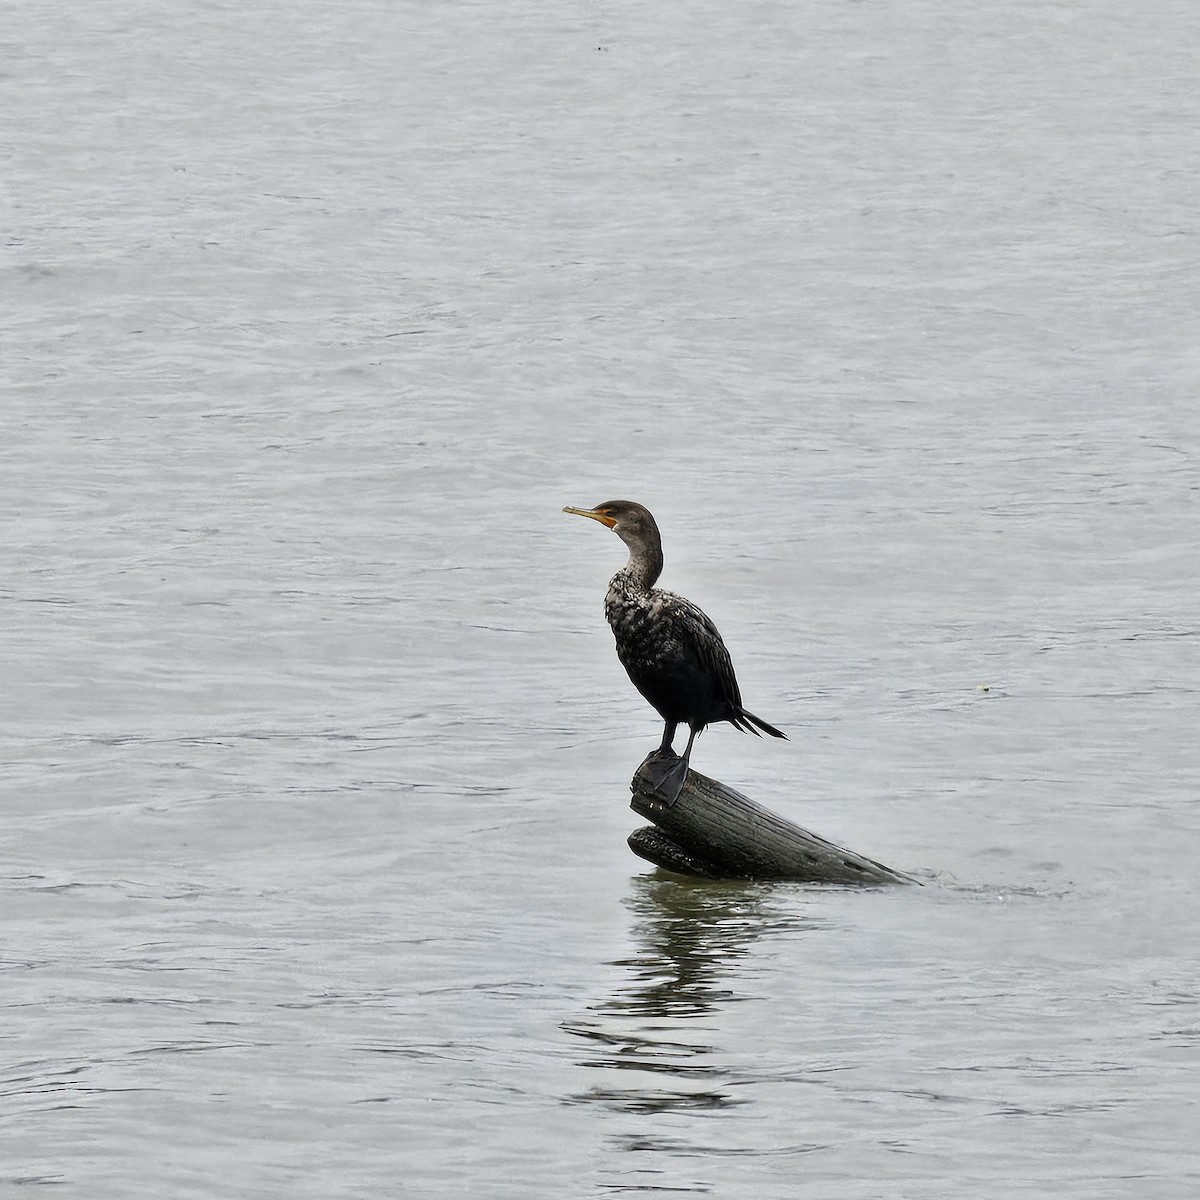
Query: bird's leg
x=664, y=770
x=667, y=748
x=687, y=751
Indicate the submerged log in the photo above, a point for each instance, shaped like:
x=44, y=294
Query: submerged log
x=713, y=832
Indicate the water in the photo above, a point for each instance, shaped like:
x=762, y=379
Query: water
x=315, y=747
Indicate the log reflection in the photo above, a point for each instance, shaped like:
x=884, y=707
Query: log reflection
x=661, y=1029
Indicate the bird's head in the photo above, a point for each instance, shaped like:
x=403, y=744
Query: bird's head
x=631, y=522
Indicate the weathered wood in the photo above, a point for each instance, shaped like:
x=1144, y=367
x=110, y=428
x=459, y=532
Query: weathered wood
x=654, y=846
x=715, y=832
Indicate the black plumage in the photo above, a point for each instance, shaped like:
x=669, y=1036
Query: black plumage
x=670, y=649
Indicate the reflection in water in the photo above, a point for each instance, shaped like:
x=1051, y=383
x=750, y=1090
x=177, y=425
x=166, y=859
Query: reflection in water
x=691, y=940
x=661, y=1028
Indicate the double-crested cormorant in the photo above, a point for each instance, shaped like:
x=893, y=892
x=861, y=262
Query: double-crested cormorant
x=670, y=649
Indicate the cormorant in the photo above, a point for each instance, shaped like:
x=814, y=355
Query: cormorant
x=670, y=649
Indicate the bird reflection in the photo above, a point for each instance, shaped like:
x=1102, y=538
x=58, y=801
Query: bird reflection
x=662, y=1027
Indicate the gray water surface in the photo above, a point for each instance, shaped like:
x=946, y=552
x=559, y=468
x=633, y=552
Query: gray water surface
x=315, y=750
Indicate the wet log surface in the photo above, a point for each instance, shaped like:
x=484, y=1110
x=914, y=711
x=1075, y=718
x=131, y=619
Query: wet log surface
x=714, y=832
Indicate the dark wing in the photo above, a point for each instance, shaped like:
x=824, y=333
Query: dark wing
x=700, y=639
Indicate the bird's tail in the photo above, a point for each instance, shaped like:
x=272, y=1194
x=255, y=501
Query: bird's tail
x=747, y=720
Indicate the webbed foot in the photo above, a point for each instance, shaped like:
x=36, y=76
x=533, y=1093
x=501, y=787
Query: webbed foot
x=665, y=773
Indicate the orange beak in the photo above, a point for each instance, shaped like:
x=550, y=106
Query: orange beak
x=603, y=518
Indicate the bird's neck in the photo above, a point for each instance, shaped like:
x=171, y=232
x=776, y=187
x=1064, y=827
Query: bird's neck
x=642, y=570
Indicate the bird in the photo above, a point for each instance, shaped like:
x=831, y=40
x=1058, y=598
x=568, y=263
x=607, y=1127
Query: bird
x=671, y=650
